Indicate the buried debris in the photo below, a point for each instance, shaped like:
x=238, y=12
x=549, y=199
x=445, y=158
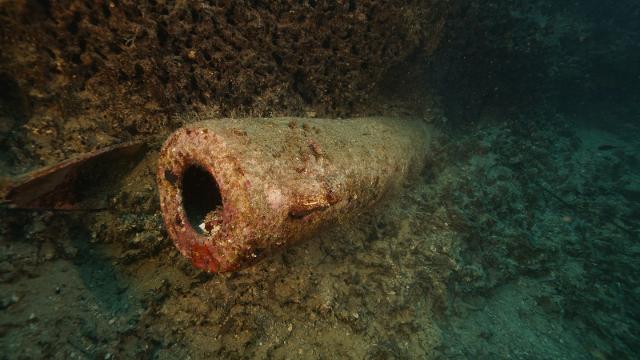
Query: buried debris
x=64, y=185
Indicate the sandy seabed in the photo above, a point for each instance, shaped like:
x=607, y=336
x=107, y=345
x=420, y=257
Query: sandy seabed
x=519, y=240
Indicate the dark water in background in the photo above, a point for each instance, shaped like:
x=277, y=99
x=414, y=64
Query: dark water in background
x=520, y=240
x=578, y=57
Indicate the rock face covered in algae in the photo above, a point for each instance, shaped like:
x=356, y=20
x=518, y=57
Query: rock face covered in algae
x=233, y=191
x=124, y=67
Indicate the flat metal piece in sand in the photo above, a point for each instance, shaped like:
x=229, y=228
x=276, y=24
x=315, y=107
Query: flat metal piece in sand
x=54, y=187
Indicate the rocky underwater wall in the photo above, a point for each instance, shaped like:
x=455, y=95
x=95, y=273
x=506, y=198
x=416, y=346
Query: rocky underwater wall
x=79, y=76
